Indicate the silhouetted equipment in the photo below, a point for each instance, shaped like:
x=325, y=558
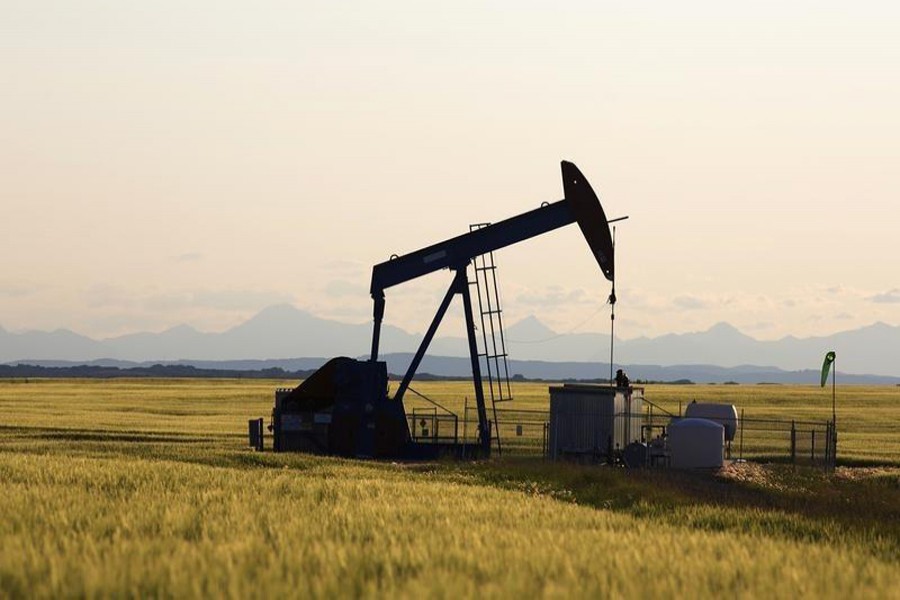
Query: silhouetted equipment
x=636, y=455
x=255, y=429
x=344, y=407
x=338, y=410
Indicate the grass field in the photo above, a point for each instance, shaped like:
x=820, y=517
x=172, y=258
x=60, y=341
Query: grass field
x=146, y=488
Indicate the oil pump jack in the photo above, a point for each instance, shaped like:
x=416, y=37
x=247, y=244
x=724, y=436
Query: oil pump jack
x=344, y=408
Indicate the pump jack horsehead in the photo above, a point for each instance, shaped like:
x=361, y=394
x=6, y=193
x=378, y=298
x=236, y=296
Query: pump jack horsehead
x=344, y=407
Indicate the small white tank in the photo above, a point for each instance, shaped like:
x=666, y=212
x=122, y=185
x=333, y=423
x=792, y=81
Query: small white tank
x=696, y=443
x=724, y=414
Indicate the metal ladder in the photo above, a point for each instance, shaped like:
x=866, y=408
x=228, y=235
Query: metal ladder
x=492, y=353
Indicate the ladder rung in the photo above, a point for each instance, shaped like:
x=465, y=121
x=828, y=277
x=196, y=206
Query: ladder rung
x=495, y=365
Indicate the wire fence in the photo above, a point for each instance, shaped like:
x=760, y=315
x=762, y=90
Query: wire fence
x=781, y=440
x=524, y=432
x=607, y=436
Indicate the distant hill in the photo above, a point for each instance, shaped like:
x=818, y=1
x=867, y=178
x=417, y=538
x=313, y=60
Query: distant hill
x=154, y=371
x=557, y=371
x=283, y=332
x=431, y=366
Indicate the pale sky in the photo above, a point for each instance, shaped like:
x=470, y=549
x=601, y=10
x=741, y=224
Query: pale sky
x=171, y=162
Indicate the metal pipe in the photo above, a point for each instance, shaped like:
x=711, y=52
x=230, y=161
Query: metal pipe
x=463, y=248
x=429, y=335
x=378, y=314
x=483, y=423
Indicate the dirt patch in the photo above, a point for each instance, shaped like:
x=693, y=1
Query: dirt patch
x=857, y=473
x=748, y=472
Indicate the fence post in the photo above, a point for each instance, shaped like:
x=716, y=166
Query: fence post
x=742, y=434
x=552, y=437
x=465, y=420
x=793, y=443
x=832, y=448
x=544, y=442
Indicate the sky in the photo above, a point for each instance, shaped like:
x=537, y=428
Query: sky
x=193, y=162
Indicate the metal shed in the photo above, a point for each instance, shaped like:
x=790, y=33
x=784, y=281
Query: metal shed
x=593, y=420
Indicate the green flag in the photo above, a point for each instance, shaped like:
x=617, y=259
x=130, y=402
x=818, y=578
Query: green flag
x=829, y=358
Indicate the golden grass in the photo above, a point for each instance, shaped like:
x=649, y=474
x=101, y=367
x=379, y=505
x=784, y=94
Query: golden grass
x=146, y=488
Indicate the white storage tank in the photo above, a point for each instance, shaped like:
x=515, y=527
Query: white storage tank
x=723, y=414
x=696, y=443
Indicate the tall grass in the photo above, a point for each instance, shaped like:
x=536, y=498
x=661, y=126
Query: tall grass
x=136, y=488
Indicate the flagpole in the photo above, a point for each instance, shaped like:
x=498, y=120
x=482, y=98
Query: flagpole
x=612, y=315
x=830, y=360
x=612, y=336
x=833, y=440
x=833, y=411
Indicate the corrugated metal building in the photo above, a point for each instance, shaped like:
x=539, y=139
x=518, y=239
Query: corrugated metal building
x=593, y=419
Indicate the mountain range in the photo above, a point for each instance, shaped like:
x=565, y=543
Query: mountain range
x=285, y=332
